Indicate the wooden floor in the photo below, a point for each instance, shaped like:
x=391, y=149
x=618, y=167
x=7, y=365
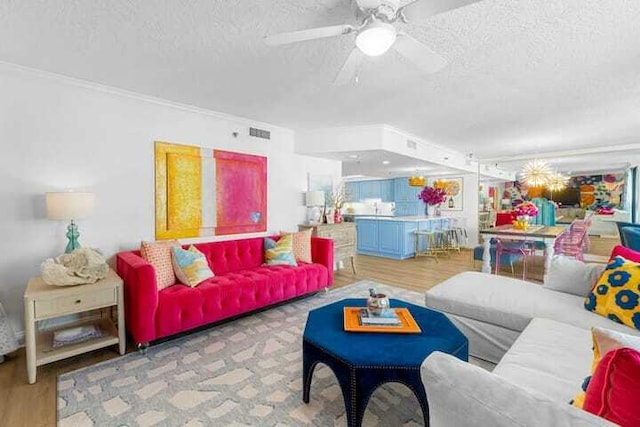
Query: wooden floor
x=22, y=404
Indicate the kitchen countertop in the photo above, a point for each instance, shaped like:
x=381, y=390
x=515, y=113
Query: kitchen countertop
x=404, y=218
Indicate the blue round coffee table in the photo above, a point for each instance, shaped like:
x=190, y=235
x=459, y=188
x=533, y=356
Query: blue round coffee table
x=363, y=361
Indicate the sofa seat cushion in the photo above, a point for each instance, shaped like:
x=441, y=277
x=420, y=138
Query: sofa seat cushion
x=549, y=357
x=512, y=303
x=181, y=307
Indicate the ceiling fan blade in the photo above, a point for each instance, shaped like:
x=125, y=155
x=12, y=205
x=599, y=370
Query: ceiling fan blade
x=350, y=68
x=419, y=10
x=420, y=54
x=304, y=35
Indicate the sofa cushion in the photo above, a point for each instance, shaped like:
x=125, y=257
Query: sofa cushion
x=190, y=266
x=604, y=341
x=158, y=254
x=181, y=308
x=615, y=386
x=625, y=253
x=301, y=244
x=511, y=303
x=572, y=276
x=233, y=255
x=279, y=252
x=616, y=295
x=549, y=357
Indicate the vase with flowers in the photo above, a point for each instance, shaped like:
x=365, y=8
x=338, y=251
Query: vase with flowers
x=338, y=198
x=432, y=196
x=524, y=212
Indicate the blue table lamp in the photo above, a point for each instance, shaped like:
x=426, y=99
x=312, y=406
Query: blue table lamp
x=70, y=206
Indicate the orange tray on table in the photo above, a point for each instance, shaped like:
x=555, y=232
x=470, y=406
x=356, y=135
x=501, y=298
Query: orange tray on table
x=408, y=326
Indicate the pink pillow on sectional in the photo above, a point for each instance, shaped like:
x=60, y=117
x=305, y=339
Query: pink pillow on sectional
x=625, y=253
x=614, y=388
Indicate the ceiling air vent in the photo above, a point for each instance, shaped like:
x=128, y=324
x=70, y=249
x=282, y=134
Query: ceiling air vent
x=412, y=144
x=260, y=133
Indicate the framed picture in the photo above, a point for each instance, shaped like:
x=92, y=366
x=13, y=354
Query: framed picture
x=454, y=190
x=321, y=183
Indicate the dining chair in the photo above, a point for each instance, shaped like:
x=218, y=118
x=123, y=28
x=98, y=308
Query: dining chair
x=521, y=248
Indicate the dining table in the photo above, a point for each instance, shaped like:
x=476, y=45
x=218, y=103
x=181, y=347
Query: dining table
x=536, y=233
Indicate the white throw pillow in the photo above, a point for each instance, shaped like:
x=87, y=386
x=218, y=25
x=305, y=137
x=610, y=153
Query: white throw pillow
x=572, y=276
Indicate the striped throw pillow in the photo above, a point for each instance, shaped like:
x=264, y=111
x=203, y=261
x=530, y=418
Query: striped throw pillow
x=280, y=252
x=191, y=266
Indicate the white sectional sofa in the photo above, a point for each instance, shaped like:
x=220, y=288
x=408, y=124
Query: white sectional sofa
x=540, y=340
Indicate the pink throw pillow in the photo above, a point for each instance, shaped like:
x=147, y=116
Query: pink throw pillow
x=614, y=390
x=158, y=254
x=625, y=253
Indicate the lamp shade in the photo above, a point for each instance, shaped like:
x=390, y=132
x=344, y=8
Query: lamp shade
x=69, y=205
x=314, y=198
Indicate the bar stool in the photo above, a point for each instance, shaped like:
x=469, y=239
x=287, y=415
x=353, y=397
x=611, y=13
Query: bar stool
x=430, y=245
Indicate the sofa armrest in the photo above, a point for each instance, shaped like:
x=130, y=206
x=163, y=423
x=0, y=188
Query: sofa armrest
x=322, y=253
x=140, y=295
x=461, y=394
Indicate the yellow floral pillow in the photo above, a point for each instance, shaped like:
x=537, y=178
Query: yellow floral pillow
x=616, y=295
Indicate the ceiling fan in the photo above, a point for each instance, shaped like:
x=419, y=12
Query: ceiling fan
x=377, y=33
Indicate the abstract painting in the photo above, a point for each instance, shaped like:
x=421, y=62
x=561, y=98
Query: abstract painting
x=453, y=193
x=202, y=192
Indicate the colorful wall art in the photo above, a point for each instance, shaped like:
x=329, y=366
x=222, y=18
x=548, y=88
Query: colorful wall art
x=204, y=192
x=595, y=191
x=453, y=189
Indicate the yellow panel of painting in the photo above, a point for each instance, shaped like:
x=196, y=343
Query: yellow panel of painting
x=184, y=192
x=163, y=231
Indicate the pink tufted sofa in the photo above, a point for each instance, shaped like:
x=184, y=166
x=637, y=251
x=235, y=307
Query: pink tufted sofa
x=241, y=284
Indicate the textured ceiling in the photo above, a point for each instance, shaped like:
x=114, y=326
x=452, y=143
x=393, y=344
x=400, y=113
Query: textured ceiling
x=523, y=76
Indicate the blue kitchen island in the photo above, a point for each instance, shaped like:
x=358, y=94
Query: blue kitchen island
x=394, y=237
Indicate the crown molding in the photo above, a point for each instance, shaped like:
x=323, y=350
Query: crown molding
x=99, y=87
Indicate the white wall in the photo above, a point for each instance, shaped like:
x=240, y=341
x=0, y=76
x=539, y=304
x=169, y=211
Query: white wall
x=58, y=133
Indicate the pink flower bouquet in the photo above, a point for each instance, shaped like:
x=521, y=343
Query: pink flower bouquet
x=432, y=196
x=526, y=209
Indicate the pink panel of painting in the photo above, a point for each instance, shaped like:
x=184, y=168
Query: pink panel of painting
x=241, y=192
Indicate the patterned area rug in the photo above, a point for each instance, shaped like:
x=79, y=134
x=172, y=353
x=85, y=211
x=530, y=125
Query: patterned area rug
x=243, y=373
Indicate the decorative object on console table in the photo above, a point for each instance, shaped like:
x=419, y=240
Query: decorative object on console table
x=70, y=206
x=338, y=198
x=313, y=200
x=42, y=301
x=344, y=236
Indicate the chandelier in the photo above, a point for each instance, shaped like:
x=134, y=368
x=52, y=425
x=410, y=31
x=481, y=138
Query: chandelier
x=557, y=182
x=536, y=173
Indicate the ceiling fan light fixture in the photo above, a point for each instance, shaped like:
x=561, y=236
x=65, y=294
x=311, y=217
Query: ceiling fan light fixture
x=376, y=38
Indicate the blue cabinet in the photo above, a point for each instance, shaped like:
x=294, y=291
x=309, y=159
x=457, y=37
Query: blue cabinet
x=368, y=240
x=392, y=238
x=352, y=191
x=409, y=208
x=369, y=190
x=383, y=189
x=404, y=192
x=387, y=190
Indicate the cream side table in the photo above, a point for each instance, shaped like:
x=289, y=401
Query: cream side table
x=43, y=301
